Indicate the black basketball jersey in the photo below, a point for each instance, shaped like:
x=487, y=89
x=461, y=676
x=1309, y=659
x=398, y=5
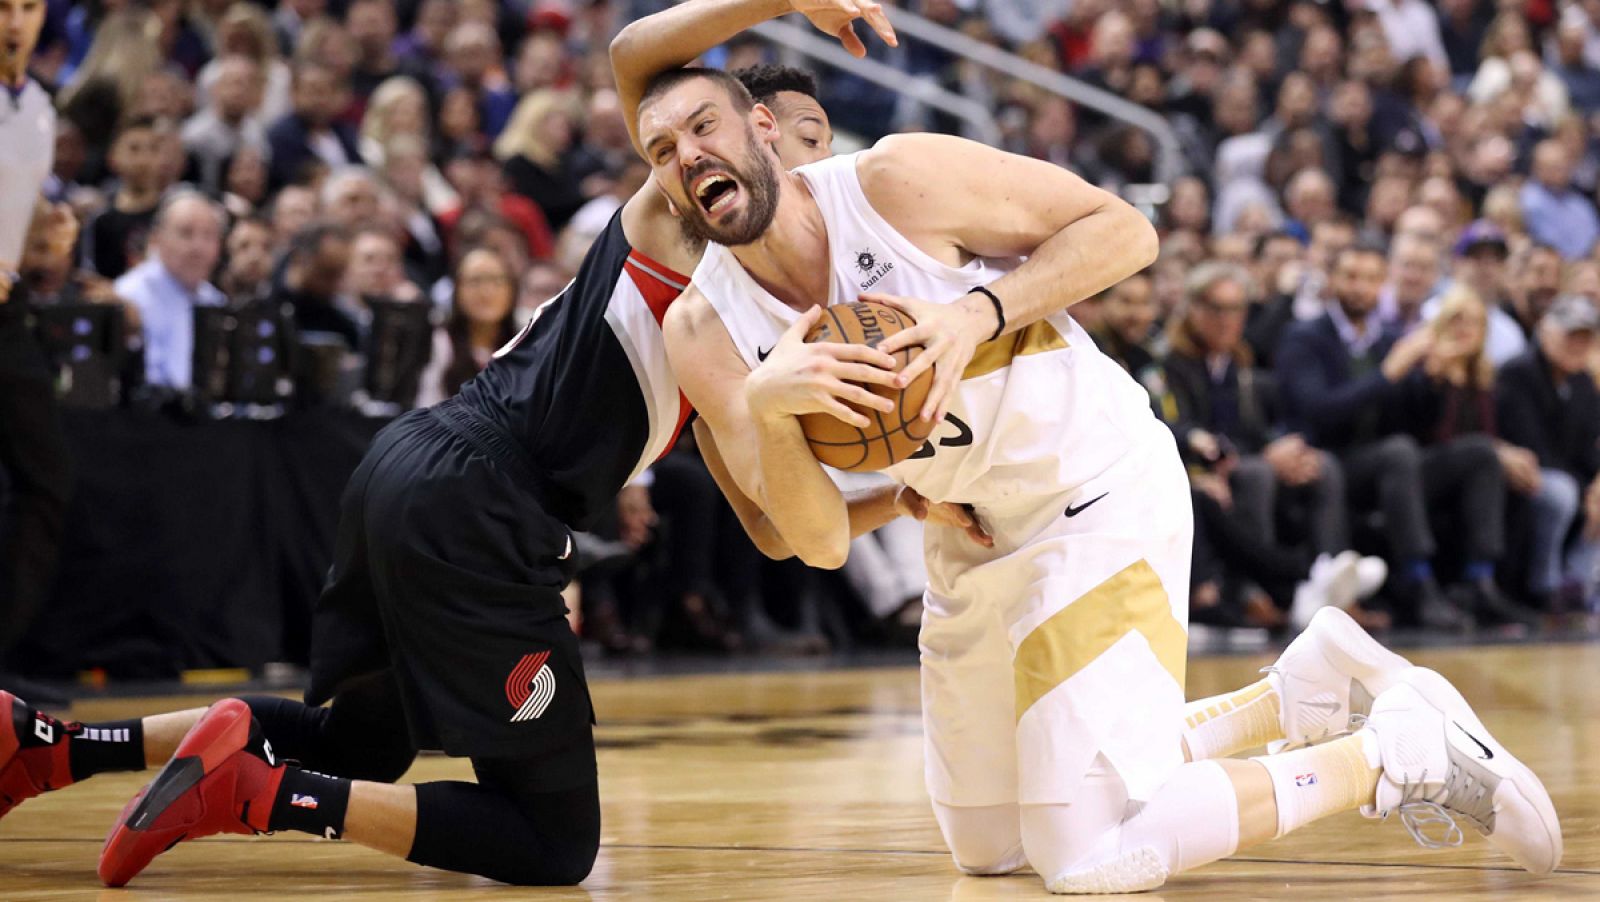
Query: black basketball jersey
x=585, y=387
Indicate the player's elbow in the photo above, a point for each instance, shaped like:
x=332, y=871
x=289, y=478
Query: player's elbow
x=1141, y=240
x=623, y=48
x=825, y=552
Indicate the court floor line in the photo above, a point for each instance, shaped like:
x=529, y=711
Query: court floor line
x=671, y=847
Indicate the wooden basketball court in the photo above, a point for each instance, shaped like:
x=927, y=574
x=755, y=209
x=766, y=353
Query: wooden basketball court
x=809, y=786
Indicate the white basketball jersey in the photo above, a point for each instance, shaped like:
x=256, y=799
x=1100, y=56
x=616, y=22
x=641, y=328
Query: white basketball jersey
x=1039, y=412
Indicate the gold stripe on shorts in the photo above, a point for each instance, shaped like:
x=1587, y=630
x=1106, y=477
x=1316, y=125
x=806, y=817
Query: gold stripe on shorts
x=1057, y=649
x=1035, y=338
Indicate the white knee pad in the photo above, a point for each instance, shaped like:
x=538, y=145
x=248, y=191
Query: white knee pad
x=1093, y=846
x=985, y=841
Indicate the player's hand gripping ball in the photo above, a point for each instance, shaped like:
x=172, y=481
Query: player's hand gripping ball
x=892, y=435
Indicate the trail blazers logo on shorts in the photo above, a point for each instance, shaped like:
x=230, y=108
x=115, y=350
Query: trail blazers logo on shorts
x=531, y=686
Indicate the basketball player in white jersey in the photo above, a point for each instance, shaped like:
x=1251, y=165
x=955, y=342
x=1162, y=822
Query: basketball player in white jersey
x=1053, y=661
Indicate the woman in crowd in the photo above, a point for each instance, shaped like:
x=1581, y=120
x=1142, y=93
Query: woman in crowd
x=1450, y=399
x=246, y=29
x=536, y=149
x=399, y=108
x=480, y=322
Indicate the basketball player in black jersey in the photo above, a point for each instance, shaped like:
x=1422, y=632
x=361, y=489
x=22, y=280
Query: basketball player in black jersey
x=441, y=626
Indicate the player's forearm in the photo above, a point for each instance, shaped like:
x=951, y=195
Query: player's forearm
x=674, y=37
x=1078, y=262
x=798, y=497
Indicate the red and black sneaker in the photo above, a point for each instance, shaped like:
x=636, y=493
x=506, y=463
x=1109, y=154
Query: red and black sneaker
x=33, y=753
x=222, y=779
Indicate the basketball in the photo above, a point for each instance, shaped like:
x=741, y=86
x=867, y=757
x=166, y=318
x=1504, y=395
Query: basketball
x=895, y=435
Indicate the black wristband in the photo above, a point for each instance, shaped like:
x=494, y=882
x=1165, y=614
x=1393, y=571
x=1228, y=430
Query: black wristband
x=999, y=313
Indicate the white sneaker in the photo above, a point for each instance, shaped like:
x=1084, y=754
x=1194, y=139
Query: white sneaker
x=1439, y=764
x=1334, y=581
x=1371, y=572
x=1330, y=671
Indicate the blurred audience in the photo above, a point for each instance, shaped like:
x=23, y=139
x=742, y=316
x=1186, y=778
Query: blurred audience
x=1371, y=327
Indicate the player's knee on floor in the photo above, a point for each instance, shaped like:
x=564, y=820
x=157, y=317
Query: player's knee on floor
x=984, y=841
x=524, y=839
x=1100, y=843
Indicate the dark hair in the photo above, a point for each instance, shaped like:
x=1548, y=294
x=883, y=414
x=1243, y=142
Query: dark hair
x=254, y=219
x=136, y=123
x=1268, y=237
x=309, y=240
x=463, y=365
x=765, y=82
x=671, y=78
x=1360, y=247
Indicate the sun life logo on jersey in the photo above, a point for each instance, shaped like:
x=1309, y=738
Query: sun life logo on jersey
x=530, y=687
x=867, y=262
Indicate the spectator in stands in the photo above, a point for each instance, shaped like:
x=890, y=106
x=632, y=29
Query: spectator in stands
x=49, y=267
x=376, y=270
x=1224, y=406
x=1412, y=29
x=425, y=41
x=481, y=321
x=372, y=26
x=1448, y=401
x=404, y=178
x=313, y=274
x=291, y=19
x=247, y=272
x=1480, y=264
x=311, y=133
x=1413, y=279
x=351, y=198
x=1548, y=404
x=1127, y=313
x=228, y=123
x=479, y=184
x=1535, y=282
x=115, y=239
x=244, y=189
x=293, y=209
x=185, y=246
x=1556, y=214
x=1581, y=79
x=245, y=30
x=1462, y=26
x=1338, y=375
x=397, y=109
x=476, y=65
x=104, y=91
x=537, y=151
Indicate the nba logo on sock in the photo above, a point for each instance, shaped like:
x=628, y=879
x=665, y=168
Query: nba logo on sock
x=1305, y=779
x=300, y=801
x=530, y=687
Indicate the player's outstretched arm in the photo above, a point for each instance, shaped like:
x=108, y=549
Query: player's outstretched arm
x=954, y=197
x=675, y=36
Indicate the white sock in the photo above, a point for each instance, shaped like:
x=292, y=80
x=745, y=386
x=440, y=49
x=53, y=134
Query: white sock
x=1228, y=724
x=1312, y=783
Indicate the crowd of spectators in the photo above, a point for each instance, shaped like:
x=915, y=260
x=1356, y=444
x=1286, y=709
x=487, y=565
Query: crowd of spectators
x=1372, y=325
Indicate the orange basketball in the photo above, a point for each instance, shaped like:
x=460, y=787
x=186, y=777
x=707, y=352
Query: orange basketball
x=893, y=436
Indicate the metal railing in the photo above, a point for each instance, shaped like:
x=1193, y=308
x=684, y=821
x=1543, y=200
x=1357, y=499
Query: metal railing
x=1169, y=162
x=808, y=42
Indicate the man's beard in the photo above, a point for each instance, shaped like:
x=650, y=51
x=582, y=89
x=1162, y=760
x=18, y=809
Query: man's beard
x=758, y=179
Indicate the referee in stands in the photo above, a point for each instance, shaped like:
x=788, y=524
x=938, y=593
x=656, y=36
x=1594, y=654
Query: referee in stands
x=33, y=454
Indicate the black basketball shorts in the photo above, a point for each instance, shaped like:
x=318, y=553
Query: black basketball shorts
x=448, y=570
